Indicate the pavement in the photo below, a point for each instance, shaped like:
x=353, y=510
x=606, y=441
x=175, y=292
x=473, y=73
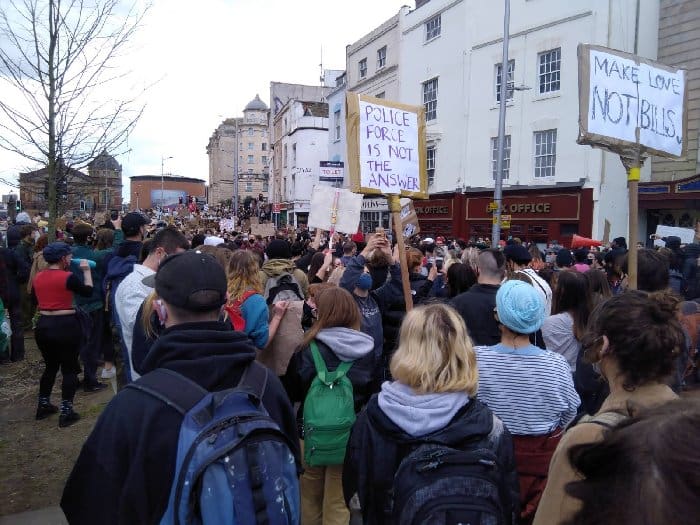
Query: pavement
x=48, y=516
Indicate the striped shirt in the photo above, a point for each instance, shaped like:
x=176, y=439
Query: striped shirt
x=530, y=389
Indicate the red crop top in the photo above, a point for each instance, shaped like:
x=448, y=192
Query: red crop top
x=54, y=289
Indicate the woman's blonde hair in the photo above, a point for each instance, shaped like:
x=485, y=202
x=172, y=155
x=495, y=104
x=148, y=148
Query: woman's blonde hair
x=435, y=353
x=146, y=314
x=243, y=274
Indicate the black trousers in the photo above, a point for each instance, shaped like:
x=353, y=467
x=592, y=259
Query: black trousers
x=17, y=337
x=58, y=338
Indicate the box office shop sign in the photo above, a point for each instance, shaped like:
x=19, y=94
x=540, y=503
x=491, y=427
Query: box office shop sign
x=535, y=207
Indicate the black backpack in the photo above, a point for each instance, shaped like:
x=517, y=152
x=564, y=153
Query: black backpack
x=439, y=485
x=283, y=287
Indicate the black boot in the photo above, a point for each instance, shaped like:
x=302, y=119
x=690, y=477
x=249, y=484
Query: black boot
x=45, y=409
x=68, y=415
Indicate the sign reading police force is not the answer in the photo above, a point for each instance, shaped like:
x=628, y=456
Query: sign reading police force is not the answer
x=619, y=93
x=386, y=147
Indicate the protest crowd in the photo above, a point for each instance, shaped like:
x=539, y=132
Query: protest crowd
x=282, y=379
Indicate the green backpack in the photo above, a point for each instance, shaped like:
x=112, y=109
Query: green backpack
x=329, y=413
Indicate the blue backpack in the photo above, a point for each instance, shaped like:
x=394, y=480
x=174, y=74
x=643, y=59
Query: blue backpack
x=117, y=269
x=234, y=464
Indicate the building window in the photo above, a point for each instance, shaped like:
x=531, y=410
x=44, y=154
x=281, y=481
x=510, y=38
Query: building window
x=545, y=153
x=251, y=145
x=264, y=146
x=363, y=68
x=381, y=95
x=251, y=159
x=381, y=57
x=430, y=93
x=432, y=28
x=250, y=171
x=430, y=162
x=509, y=85
x=285, y=156
x=294, y=154
x=266, y=186
x=249, y=186
x=336, y=124
x=250, y=132
x=263, y=159
x=550, y=69
x=506, y=157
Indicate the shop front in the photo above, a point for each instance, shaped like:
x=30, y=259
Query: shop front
x=536, y=214
x=375, y=214
x=436, y=215
x=674, y=203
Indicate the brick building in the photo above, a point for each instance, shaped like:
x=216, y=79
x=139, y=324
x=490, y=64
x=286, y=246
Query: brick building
x=98, y=190
x=146, y=190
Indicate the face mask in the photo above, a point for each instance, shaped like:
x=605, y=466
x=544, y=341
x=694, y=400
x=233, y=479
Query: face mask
x=364, y=282
x=36, y=236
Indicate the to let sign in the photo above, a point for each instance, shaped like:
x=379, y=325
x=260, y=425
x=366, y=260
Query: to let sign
x=620, y=93
x=386, y=147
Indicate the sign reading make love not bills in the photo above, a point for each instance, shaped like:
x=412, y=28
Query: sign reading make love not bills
x=386, y=147
x=620, y=92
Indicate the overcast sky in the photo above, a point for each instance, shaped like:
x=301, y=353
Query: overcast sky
x=211, y=58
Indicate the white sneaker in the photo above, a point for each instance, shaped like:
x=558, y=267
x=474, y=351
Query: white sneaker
x=109, y=374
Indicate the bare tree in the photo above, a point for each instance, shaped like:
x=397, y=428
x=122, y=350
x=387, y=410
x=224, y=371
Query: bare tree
x=59, y=60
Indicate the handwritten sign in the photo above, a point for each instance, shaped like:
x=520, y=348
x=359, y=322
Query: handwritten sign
x=347, y=213
x=619, y=93
x=264, y=230
x=386, y=147
x=409, y=219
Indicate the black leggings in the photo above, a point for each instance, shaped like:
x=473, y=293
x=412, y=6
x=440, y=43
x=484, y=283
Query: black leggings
x=58, y=338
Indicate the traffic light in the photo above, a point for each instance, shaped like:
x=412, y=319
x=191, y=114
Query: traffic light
x=18, y=205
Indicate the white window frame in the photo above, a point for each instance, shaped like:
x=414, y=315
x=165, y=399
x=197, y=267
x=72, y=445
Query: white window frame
x=430, y=98
x=433, y=28
x=381, y=57
x=263, y=159
x=264, y=146
x=549, y=71
x=506, y=157
x=545, y=153
x=249, y=186
x=362, y=68
x=251, y=132
x=430, y=161
x=294, y=155
x=251, y=159
x=284, y=161
x=251, y=146
x=497, y=81
x=336, y=124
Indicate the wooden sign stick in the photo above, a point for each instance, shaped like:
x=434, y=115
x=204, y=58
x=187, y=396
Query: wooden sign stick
x=395, y=207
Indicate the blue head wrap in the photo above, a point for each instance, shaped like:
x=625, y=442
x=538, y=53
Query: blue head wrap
x=55, y=251
x=520, y=307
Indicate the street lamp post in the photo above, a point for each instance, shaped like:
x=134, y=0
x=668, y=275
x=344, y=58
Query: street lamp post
x=498, y=186
x=162, y=163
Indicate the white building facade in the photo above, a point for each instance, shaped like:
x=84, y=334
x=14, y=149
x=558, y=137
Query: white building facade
x=450, y=62
x=301, y=132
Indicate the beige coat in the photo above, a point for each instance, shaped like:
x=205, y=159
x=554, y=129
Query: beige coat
x=556, y=506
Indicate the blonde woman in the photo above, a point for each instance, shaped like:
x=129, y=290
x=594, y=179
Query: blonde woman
x=430, y=401
x=245, y=299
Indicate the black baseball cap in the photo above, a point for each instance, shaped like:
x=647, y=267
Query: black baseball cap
x=517, y=253
x=132, y=222
x=193, y=281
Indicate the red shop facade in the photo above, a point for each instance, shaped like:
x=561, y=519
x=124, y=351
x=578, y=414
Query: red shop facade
x=537, y=214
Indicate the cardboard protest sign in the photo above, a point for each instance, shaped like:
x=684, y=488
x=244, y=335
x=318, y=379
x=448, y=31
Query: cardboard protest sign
x=687, y=235
x=227, y=225
x=264, y=230
x=99, y=218
x=409, y=219
x=347, y=213
x=386, y=147
x=620, y=92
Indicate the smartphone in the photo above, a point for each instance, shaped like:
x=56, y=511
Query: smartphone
x=114, y=215
x=438, y=263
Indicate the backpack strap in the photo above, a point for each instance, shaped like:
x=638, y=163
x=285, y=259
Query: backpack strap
x=605, y=419
x=173, y=389
x=324, y=375
x=254, y=380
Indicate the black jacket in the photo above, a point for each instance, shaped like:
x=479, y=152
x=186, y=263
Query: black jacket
x=301, y=373
x=377, y=446
x=17, y=272
x=126, y=467
x=395, y=311
x=476, y=307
